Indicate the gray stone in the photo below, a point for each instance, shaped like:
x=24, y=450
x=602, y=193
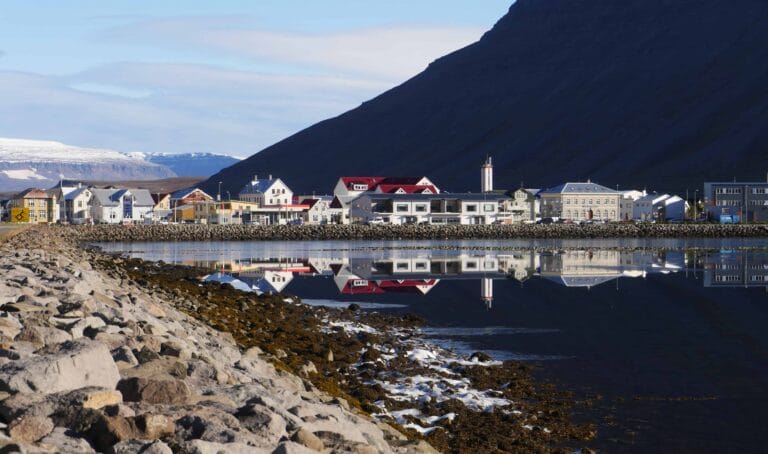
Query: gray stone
x=208, y=447
x=290, y=447
x=308, y=439
x=154, y=390
x=61, y=440
x=75, y=365
x=29, y=429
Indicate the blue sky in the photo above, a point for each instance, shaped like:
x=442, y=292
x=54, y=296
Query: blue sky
x=217, y=76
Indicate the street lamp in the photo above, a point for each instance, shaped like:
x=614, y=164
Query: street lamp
x=229, y=196
x=218, y=196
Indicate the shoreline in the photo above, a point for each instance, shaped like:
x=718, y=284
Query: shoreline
x=279, y=376
x=202, y=232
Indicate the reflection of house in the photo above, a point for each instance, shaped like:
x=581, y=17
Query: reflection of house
x=736, y=269
x=580, y=202
x=35, y=206
x=736, y=201
x=112, y=206
x=429, y=208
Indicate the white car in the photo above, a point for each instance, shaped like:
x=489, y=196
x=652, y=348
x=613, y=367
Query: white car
x=378, y=220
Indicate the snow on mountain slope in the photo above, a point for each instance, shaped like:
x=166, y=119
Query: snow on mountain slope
x=26, y=163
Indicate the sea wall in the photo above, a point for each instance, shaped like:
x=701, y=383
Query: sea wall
x=198, y=232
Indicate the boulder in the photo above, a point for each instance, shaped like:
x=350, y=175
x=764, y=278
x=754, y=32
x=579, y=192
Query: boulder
x=29, y=429
x=63, y=440
x=9, y=326
x=308, y=439
x=76, y=364
x=290, y=447
x=154, y=390
x=208, y=447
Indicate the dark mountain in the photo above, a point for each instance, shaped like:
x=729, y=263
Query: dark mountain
x=192, y=164
x=656, y=93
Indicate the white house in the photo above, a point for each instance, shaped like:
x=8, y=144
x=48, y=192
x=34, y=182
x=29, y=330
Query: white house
x=426, y=208
x=270, y=192
x=114, y=206
x=319, y=210
x=76, y=206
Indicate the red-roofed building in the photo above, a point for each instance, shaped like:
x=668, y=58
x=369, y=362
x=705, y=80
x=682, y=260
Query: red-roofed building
x=348, y=188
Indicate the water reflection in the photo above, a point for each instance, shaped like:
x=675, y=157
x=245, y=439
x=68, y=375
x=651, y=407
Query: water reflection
x=419, y=272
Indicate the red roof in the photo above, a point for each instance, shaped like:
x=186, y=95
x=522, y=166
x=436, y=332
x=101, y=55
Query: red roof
x=407, y=188
x=373, y=182
x=33, y=193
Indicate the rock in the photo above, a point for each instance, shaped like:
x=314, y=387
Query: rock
x=29, y=429
x=124, y=357
x=353, y=307
x=261, y=421
x=146, y=355
x=154, y=390
x=290, y=447
x=308, y=368
x=155, y=426
x=174, y=349
x=308, y=439
x=76, y=364
x=208, y=447
x=62, y=440
x=119, y=410
x=9, y=326
x=23, y=307
x=97, y=398
x=329, y=356
x=154, y=309
x=481, y=357
x=159, y=368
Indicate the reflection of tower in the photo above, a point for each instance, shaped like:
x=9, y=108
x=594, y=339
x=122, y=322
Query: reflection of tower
x=486, y=291
x=486, y=176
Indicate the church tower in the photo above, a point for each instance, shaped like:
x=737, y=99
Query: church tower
x=486, y=176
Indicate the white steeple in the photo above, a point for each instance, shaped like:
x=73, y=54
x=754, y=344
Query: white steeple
x=486, y=176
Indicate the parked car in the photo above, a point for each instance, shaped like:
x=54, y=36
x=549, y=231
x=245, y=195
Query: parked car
x=378, y=220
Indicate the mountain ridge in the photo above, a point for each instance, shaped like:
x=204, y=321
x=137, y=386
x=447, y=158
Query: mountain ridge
x=652, y=93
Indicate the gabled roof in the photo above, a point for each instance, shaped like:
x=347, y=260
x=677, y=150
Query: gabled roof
x=259, y=186
x=33, y=193
x=391, y=183
x=466, y=196
x=406, y=188
x=159, y=197
x=588, y=187
x=103, y=197
x=111, y=197
x=186, y=192
x=76, y=193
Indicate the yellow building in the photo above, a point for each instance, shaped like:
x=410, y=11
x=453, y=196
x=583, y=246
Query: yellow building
x=34, y=206
x=229, y=212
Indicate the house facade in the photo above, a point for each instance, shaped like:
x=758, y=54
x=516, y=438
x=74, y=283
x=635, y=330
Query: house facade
x=319, y=210
x=736, y=201
x=439, y=209
x=581, y=202
x=35, y=206
x=77, y=206
x=269, y=192
x=522, y=206
x=115, y=206
x=349, y=188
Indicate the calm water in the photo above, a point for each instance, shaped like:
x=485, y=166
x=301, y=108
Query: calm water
x=672, y=334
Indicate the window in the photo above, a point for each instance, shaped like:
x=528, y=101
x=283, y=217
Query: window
x=359, y=187
x=471, y=208
x=489, y=207
x=402, y=266
x=759, y=190
x=79, y=203
x=283, y=191
x=421, y=266
x=471, y=265
x=421, y=208
x=359, y=283
x=567, y=201
x=730, y=190
x=401, y=208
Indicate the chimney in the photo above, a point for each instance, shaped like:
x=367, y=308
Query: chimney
x=255, y=179
x=486, y=176
x=270, y=177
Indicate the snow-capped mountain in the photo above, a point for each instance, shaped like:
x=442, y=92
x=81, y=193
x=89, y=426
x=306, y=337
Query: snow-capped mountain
x=37, y=163
x=192, y=164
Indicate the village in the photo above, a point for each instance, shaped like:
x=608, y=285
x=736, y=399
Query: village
x=386, y=200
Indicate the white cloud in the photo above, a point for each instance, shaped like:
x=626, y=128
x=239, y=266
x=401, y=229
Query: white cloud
x=184, y=107
x=388, y=53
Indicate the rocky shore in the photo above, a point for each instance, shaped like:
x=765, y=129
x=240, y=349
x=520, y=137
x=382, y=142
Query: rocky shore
x=101, y=353
x=94, y=361
x=199, y=232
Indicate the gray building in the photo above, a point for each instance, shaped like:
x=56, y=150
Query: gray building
x=736, y=201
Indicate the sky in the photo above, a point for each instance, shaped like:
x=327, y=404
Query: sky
x=224, y=76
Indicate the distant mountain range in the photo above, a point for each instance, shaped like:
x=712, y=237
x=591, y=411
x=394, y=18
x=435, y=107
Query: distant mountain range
x=37, y=163
x=192, y=164
x=641, y=93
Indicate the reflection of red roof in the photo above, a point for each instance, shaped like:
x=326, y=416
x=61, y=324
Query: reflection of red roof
x=361, y=286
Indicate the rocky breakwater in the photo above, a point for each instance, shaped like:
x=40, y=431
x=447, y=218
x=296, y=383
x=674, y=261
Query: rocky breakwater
x=199, y=232
x=92, y=361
